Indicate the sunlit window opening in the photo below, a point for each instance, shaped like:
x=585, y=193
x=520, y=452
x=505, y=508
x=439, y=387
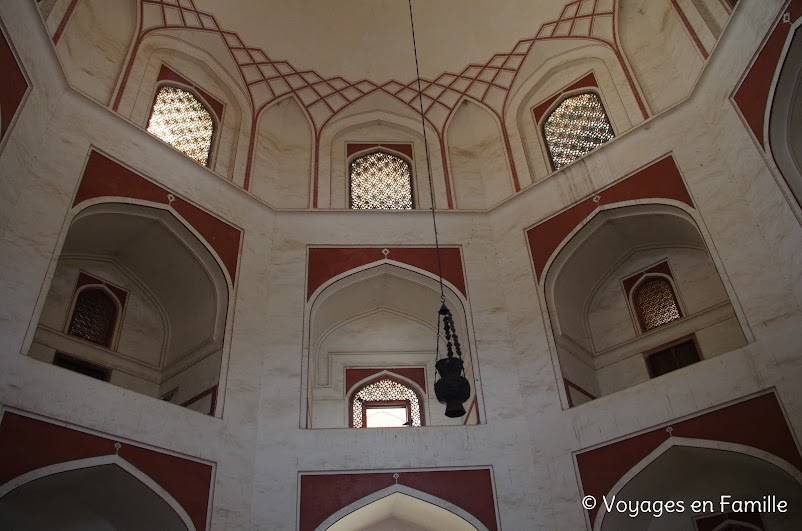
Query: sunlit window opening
x=386, y=417
x=372, y=400
x=182, y=121
x=656, y=303
x=575, y=128
x=381, y=181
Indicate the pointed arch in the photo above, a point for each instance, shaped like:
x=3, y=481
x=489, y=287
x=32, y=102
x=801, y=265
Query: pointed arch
x=281, y=163
x=403, y=390
x=693, y=443
x=480, y=166
x=421, y=496
x=92, y=462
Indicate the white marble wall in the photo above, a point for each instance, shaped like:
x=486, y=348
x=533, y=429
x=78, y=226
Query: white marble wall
x=528, y=436
x=282, y=166
x=95, y=44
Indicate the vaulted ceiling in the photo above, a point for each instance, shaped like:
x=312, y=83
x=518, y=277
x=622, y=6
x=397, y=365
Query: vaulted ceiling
x=372, y=39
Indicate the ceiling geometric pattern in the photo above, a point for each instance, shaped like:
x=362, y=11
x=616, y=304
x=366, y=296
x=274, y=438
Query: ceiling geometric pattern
x=269, y=79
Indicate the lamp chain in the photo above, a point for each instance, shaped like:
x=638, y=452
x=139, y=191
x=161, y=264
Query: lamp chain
x=431, y=187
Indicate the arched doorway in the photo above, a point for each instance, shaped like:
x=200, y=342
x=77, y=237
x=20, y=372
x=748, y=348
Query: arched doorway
x=101, y=497
x=687, y=473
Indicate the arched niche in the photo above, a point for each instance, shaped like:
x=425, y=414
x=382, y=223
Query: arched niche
x=175, y=301
x=688, y=470
x=95, y=44
x=784, y=123
x=377, y=127
x=282, y=162
x=588, y=284
x=382, y=316
x=401, y=508
x=203, y=75
x=550, y=81
x=480, y=172
x=663, y=56
x=97, y=493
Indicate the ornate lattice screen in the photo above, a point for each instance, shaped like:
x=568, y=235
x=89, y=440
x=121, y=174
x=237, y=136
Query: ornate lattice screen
x=182, y=121
x=93, y=317
x=381, y=181
x=656, y=303
x=576, y=127
x=384, y=391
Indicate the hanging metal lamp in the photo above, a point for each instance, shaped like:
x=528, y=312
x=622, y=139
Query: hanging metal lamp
x=450, y=387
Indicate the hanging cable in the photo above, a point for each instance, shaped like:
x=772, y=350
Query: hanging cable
x=428, y=163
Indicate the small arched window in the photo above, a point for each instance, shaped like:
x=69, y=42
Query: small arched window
x=385, y=404
x=655, y=303
x=576, y=127
x=181, y=120
x=380, y=181
x=94, y=317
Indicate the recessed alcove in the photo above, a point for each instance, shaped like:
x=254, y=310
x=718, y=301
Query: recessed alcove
x=592, y=288
x=106, y=496
x=379, y=323
x=707, y=474
x=784, y=134
x=138, y=300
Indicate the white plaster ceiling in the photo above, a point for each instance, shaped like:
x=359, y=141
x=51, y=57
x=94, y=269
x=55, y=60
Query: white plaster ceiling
x=372, y=38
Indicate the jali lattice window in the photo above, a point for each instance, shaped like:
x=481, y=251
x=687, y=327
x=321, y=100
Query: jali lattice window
x=381, y=394
x=182, y=121
x=381, y=181
x=656, y=303
x=94, y=317
x=575, y=128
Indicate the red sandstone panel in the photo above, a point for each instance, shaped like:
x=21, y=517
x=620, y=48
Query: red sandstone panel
x=168, y=74
x=660, y=180
x=13, y=87
x=758, y=422
x=28, y=444
x=104, y=177
x=752, y=96
x=662, y=267
x=325, y=494
x=328, y=262
x=415, y=374
x=589, y=81
x=405, y=149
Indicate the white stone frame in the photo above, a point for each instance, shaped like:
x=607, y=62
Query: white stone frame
x=780, y=101
x=255, y=139
x=393, y=153
x=332, y=136
x=111, y=459
x=118, y=318
x=644, y=206
x=620, y=105
x=541, y=126
x=505, y=152
x=673, y=441
x=224, y=328
x=413, y=493
x=459, y=305
x=423, y=401
x=635, y=311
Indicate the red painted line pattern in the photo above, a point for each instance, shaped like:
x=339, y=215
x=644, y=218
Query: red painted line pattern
x=692, y=32
x=63, y=24
x=488, y=84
